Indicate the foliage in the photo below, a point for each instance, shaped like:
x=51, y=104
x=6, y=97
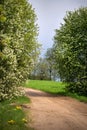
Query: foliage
x=40, y=70
x=44, y=68
x=18, y=45
x=51, y=64
x=70, y=50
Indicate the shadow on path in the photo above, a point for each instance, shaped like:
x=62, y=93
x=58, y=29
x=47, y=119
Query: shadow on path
x=38, y=93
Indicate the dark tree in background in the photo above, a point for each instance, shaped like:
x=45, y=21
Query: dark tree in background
x=44, y=68
x=40, y=70
x=51, y=64
x=70, y=50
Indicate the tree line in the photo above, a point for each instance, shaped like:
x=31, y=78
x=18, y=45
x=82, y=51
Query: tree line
x=19, y=49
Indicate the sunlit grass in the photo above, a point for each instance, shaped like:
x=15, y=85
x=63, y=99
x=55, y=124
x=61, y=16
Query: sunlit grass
x=56, y=88
x=47, y=86
x=12, y=114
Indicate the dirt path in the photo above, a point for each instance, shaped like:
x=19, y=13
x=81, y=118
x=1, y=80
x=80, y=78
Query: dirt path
x=56, y=113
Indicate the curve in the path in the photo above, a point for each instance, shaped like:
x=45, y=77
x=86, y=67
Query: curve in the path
x=56, y=113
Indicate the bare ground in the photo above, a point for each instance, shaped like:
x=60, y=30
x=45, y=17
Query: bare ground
x=56, y=113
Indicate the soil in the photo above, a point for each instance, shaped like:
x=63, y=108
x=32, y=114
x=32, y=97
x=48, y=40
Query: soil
x=56, y=112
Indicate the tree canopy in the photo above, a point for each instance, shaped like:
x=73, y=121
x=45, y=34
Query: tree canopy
x=18, y=44
x=70, y=50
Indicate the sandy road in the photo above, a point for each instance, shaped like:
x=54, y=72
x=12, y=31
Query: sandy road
x=56, y=113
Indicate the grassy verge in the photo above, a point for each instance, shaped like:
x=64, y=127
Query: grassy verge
x=12, y=116
x=56, y=88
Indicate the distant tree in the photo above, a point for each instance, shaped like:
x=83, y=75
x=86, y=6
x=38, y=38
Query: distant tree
x=18, y=44
x=70, y=50
x=50, y=61
x=44, y=68
x=41, y=71
x=49, y=58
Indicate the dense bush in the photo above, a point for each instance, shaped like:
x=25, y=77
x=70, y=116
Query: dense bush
x=70, y=50
x=18, y=45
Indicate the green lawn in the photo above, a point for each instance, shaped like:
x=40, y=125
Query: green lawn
x=12, y=115
x=47, y=86
x=56, y=88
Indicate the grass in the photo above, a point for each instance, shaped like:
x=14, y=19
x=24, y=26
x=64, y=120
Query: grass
x=56, y=88
x=12, y=117
x=47, y=86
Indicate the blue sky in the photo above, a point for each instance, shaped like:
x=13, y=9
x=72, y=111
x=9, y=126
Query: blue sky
x=50, y=14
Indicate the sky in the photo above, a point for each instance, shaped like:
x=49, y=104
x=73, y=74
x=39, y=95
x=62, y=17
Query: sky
x=50, y=14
